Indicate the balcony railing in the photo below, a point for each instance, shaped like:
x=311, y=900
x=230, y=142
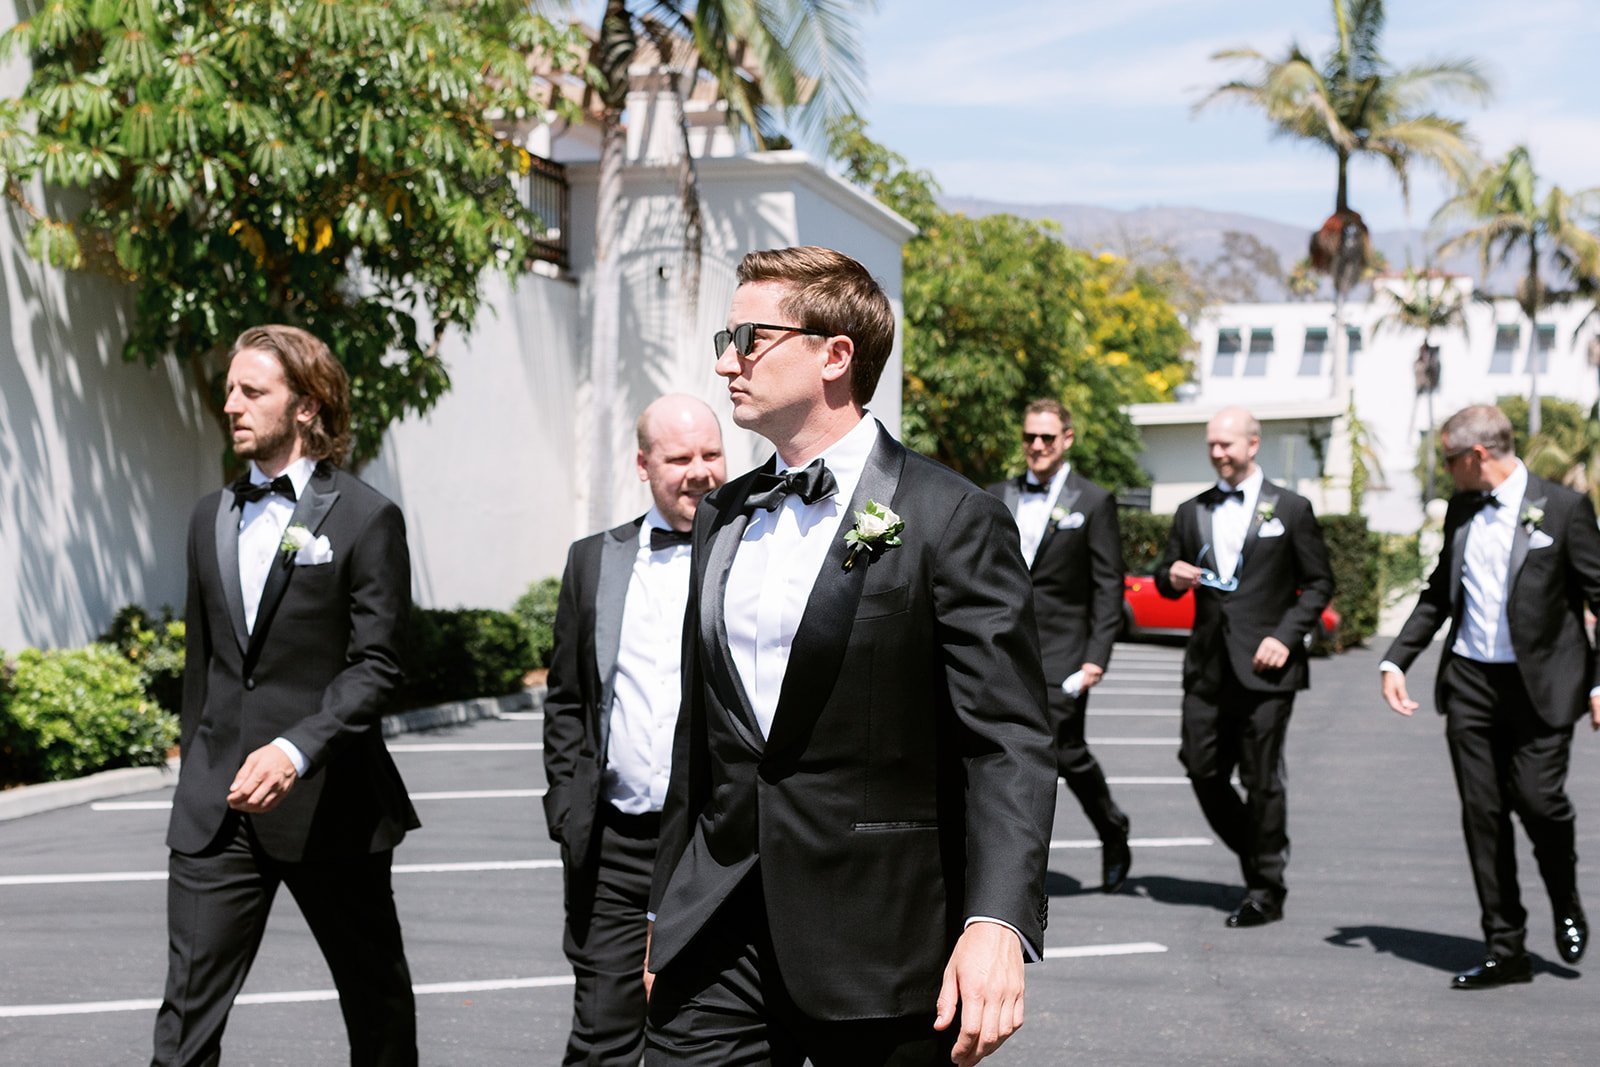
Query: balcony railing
x=548, y=196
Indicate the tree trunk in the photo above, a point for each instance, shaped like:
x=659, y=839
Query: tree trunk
x=693, y=224
x=1531, y=309
x=606, y=310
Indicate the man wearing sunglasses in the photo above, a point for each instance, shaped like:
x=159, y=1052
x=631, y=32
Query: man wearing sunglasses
x=1253, y=554
x=1521, y=557
x=853, y=846
x=1073, y=547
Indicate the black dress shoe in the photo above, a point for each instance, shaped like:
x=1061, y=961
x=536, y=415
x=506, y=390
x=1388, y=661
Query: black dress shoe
x=1495, y=971
x=1572, y=933
x=1115, y=860
x=1253, y=912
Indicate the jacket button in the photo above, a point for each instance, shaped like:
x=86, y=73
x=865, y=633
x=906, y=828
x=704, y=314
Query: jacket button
x=249, y=683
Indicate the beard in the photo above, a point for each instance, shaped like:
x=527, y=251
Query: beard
x=269, y=442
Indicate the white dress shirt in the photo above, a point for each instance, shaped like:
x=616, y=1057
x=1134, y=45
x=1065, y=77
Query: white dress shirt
x=1485, y=631
x=1230, y=522
x=261, y=526
x=1033, y=511
x=776, y=565
x=645, y=693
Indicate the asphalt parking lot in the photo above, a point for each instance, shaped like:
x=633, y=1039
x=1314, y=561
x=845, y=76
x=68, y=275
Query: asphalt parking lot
x=1380, y=914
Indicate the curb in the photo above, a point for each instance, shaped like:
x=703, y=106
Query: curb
x=28, y=800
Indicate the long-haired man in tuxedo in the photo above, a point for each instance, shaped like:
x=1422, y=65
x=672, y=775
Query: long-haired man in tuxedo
x=299, y=587
x=854, y=843
x=1521, y=558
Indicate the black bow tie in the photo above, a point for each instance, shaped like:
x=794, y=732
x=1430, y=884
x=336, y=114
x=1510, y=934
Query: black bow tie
x=1034, y=487
x=660, y=538
x=1485, y=499
x=813, y=483
x=245, y=491
x=1220, y=495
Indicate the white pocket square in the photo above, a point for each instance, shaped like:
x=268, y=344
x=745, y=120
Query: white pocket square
x=314, y=554
x=1540, y=539
x=1071, y=522
x=1270, y=528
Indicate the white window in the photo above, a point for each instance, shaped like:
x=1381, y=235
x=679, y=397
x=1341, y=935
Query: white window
x=1315, y=348
x=1506, y=340
x=1255, y=361
x=1227, y=354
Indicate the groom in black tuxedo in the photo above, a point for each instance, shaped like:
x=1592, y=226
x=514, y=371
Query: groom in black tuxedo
x=1253, y=554
x=1521, y=558
x=299, y=587
x=853, y=847
x=609, y=720
x=1073, y=548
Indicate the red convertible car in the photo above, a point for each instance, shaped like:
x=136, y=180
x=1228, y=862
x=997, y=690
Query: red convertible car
x=1146, y=613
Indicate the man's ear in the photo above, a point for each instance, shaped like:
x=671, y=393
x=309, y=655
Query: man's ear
x=307, y=409
x=639, y=465
x=839, y=355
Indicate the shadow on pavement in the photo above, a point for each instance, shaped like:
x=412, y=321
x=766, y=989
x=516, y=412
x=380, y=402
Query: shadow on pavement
x=1062, y=885
x=1442, y=952
x=1164, y=890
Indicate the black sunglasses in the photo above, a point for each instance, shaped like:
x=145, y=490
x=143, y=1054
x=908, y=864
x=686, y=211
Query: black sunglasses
x=743, y=336
x=1046, y=439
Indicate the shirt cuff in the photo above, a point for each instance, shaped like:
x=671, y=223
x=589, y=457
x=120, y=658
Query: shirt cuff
x=1391, y=667
x=296, y=757
x=1028, y=950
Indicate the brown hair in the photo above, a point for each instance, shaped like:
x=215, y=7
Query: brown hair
x=1046, y=406
x=833, y=293
x=312, y=373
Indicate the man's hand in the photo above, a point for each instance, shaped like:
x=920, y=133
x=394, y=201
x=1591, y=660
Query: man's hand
x=649, y=975
x=983, y=977
x=1394, y=691
x=1183, y=575
x=263, y=781
x=1092, y=673
x=1271, y=655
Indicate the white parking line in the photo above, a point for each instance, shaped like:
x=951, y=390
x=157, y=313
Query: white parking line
x=458, y=794
x=1131, y=740
x=1176, y=779
x=470, y=746
x=521, y=716
x=1075, y=952
x=1137, y=842
x=1154, y=713
x=302, y=996
x=160, y=876
x=1109, y=689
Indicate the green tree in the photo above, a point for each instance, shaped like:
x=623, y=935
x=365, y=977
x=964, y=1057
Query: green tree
x=1429, y=302
x=1000, y=311
x=1355, y=103
x=330, y=165
x=769, y=60
x=1510, y=216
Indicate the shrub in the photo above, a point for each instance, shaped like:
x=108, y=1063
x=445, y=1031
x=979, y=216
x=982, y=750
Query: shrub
x=156, y=648
x=1143, y=537
x=1354, y=553
x=454, y=655
x=537, y=610
x=71, y=712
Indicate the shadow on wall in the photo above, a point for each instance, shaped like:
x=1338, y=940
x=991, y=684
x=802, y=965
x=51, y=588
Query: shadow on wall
x=100, y=461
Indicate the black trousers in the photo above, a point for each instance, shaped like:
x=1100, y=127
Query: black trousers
x=1078, y=767
x=1507, y=759
x=605, y=940
x=1242, y=728
x=217, y=907
x=723, y=1003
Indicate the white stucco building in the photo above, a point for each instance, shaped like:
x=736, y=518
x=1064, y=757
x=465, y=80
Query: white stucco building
x=1277, y=360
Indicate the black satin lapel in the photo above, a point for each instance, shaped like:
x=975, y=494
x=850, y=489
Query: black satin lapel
x=1265, y=499
x=1458, y=562
x=227, y=538
x=312, y=508
x=824, y=632
x=1065, y=502
x=1013, y=495
x=1519, y=544
x=611, y=594
x=726, y=531
x=1202, y=516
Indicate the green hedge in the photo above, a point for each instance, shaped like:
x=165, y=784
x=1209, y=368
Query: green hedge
x=155, y=646
x=70, y=712
x=1353, y=552
x=537, y=610
x=454, y=655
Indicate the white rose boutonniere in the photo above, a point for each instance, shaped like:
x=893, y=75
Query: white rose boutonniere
x=308, y=551
x=295, y=538
x=1266, y=509
x=1058, y=514
x=876, y=529
x=1532, y=516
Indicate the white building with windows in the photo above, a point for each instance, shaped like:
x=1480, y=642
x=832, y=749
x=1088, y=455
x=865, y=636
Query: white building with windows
x=1277, y=360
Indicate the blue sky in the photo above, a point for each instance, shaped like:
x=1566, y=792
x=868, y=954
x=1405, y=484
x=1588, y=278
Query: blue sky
x=1036, y=101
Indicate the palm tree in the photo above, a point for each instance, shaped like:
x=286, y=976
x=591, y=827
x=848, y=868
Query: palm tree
x=1429, y=302
x=794, y=59
x=1503, y=200
x=1355, y=103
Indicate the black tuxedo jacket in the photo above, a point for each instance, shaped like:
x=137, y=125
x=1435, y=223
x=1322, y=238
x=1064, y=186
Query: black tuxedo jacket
x=1546, y=587
x=908, y=781
x=583, y=668
x=1077, y=575
x=318, y=670
x=1284, y=583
